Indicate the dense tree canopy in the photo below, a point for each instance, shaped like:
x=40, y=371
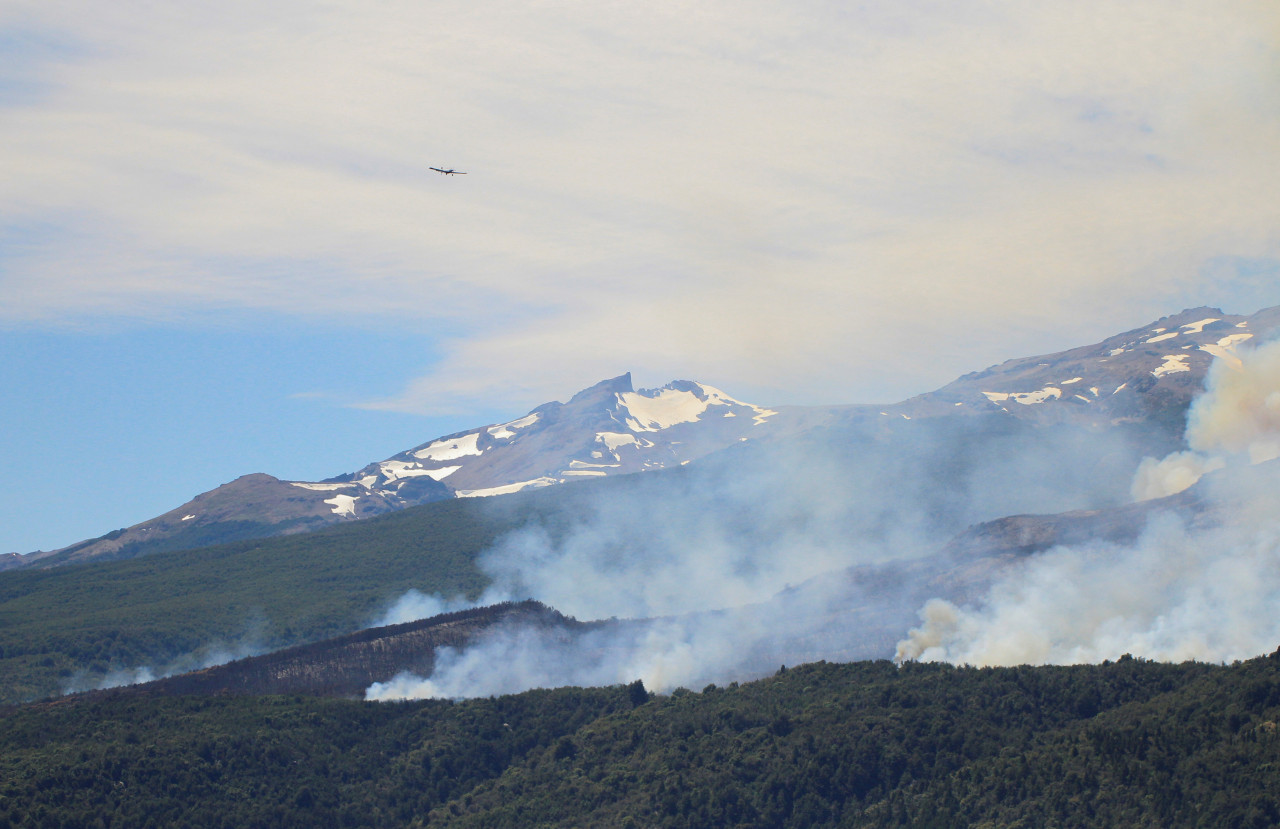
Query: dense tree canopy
x=1130, y=743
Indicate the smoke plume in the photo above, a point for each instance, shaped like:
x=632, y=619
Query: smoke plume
x=1203, y=590
x=1236, y=421
x=729, y=568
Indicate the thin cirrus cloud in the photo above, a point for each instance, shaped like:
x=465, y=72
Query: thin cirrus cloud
x=788, y=199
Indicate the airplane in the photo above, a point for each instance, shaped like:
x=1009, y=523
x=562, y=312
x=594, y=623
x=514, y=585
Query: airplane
x=449, y=172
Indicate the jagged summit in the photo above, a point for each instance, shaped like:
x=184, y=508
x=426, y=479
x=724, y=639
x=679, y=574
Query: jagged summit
x=606, y=429
x=602, y=390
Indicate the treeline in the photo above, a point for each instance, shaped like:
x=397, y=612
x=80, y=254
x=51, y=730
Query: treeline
x=1130, y=743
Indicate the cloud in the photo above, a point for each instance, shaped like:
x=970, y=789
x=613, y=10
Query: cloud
x=779, y=198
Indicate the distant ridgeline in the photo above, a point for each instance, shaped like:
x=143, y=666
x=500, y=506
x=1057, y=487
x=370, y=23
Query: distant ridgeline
x=1126, y=743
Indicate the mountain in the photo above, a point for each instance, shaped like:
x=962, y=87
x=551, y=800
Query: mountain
x=1148, y=374
x=1142, y=379
x=607, y=429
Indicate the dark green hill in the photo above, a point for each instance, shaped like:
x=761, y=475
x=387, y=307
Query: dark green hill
x=1130, y=743
x=72, y=627
x=243, y=597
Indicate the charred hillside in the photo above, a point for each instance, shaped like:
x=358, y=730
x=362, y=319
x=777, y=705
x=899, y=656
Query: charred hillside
x=347, y=665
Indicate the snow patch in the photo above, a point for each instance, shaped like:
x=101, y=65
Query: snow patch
x=1233, y=340
x=653, y=411
x=1173, y=363
x=761, y=416
x=507, y=489
x=1072, y=380
x=187, y=517
x=320, y=487
x=395, y=470
x=588, y=472
x=1162, y=337
x=343, y=504
x=507, y=430
x=1225, y=348
x=575, y=464
x=662, y=411
x=612, y=440
x=1026, y=398
x=450, y=449
x=1197, y=327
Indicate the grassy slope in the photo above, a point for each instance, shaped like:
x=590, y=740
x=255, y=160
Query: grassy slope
x=1129, y=743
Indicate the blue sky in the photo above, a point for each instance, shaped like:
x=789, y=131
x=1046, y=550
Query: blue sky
x=222, y=250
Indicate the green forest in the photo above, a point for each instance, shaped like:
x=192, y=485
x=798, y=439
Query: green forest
x=1125, y=743
x=258, y=595
x=68, y=627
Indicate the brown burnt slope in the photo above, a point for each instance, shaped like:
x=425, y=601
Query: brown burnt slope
x=1024, y=535
x=347, y=665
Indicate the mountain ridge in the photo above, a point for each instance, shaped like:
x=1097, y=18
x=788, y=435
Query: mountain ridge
x=1148, y=374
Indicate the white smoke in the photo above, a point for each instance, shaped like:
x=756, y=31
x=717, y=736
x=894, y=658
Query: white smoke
x=665, y=654
x=1175, y=473
x=1236, y=421
x=1178, y=594
x=710, y=553
x=208, y=656
x=415, y=604
x=1181, y=591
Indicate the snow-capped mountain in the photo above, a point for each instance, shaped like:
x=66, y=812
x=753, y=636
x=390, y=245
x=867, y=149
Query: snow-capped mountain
x=1148, y=372
x=608, y=429
x=1145, y=377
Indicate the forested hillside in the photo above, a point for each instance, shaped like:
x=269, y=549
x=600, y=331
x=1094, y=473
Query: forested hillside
x=82, y=622
x=1126, y=743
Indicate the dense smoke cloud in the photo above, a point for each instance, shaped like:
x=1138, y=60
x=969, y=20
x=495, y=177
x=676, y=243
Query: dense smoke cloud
x=1236, y=420
x=1204, y=587
x=1179, y=593
x=702, y=559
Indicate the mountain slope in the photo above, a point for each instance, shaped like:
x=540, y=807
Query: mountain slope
x=1148, y=374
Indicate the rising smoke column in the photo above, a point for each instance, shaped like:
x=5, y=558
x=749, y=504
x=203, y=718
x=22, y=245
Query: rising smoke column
x=1180, y=592
x=1236, y=420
